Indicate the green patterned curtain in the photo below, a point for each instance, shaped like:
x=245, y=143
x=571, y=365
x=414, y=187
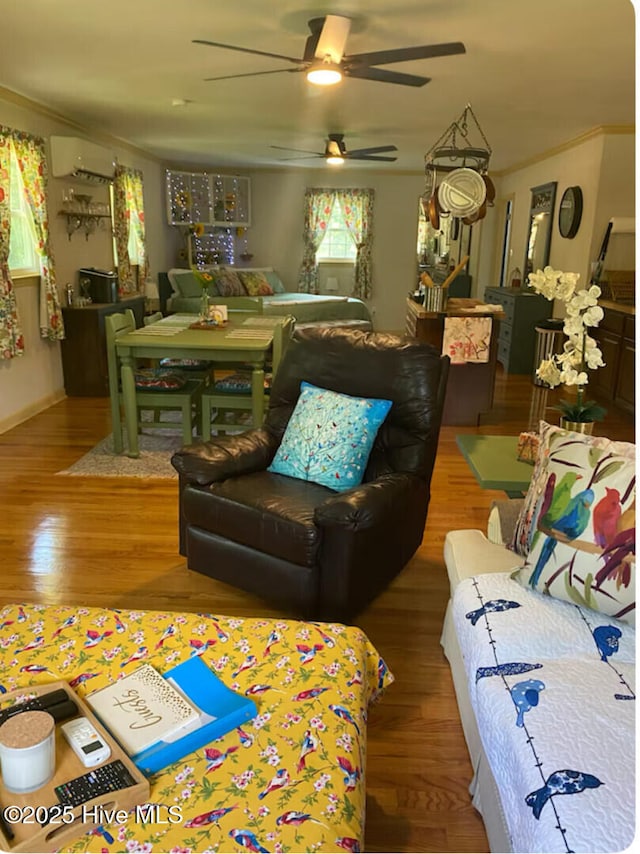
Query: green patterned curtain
x=129, y=214
x=32, y=162
x=318, y=204
x=33, y=168
x=11, y=342
x=357, y=208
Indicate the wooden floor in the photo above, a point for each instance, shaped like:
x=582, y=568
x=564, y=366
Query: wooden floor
x=113, y=542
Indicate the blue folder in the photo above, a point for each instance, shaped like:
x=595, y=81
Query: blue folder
x=221, y=711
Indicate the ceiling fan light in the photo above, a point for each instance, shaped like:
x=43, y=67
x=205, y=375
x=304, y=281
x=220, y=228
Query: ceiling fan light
x=324, y=73
x=334, y=159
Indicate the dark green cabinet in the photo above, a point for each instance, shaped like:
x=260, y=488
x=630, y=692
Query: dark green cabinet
x=84, y=350
x=523, y=311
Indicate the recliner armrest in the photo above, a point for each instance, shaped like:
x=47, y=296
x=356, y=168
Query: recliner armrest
x=368, y=504
x=225, y=456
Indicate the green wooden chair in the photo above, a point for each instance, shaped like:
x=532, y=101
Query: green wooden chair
x=185, y=399
x=230, y=395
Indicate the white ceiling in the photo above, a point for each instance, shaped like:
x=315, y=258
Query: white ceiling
x=537, y=73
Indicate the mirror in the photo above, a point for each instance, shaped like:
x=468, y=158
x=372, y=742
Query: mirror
x=439, y=251
x=436, y=248
x=543, y=199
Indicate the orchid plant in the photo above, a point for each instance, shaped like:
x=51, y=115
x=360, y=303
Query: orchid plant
x=581, y=351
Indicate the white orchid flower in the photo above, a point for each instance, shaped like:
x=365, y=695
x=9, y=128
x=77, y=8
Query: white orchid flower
x=569, y=278
x=593, y=358
x=572, y=377
x=565, y=290
x=583, y=299
x=580, y=351
x=573, y=325
x=593, y=316
x=548, y=372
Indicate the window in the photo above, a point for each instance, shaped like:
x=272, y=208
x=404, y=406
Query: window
x=23, y=257
x=337, y=244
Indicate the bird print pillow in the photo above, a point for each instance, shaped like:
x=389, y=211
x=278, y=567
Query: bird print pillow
x=580, y=512
x=329, y=437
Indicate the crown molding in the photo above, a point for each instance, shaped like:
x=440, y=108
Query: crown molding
x=599, y=130
x=96, y=135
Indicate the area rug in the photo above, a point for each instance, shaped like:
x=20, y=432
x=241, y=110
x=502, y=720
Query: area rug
x=156, y=450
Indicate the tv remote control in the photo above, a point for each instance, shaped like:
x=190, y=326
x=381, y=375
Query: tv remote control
x=98, y=781
x=58, y=703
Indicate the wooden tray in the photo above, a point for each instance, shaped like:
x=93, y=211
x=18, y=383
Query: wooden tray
x=202, y=324
x=29, y=835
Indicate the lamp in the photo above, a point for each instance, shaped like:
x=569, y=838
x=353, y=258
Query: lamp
x=334, y=153
x=324, y=72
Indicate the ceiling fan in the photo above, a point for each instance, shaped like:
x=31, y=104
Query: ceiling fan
x=335, y=151
x=325, y=61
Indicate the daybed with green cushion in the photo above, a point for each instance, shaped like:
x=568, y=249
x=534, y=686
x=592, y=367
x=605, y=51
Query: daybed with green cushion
x=180, y=291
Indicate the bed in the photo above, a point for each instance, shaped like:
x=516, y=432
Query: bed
x=292, y=779
x=306, y=308
x=546, y=694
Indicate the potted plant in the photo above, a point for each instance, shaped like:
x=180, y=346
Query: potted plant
x=580, y=352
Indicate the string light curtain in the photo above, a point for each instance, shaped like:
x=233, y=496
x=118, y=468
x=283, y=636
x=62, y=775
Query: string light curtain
x=357, y=209
x=128, y=217
x=30, y=154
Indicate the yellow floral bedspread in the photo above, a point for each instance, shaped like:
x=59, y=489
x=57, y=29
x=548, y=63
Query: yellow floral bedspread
x=292, y=779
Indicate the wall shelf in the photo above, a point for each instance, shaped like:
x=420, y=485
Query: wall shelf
x=83, y=220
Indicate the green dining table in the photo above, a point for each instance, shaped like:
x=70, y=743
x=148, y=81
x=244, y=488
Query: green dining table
x=238, y=341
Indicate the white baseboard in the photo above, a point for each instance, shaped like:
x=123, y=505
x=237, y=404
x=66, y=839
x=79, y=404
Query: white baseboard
x=32, y=409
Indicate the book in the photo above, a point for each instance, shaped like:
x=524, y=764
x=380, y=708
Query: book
x=142, y=708
x=220, y=710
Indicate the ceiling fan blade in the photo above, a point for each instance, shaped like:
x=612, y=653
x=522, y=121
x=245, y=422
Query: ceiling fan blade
x=382, y=76
x=303, y=150
x=252, y=74
x=403, y=54
x=377, y=150
x=312, y=42
x=303, y=157
x=248, y=50
x=350, y=156
x=333, y=38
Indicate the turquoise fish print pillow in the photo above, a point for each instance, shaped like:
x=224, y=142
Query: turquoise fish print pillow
x=329, y=437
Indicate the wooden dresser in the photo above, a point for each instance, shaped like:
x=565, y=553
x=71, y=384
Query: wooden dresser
x=523, y=309
x=470, y=386
x=84, y=350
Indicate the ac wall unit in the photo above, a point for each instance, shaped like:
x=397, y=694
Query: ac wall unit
x=72, y=157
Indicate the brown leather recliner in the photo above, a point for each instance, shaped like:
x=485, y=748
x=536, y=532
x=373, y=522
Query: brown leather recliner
x=319, y=553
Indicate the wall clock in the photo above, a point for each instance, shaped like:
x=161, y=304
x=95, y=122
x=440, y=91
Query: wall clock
x=570, y=212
